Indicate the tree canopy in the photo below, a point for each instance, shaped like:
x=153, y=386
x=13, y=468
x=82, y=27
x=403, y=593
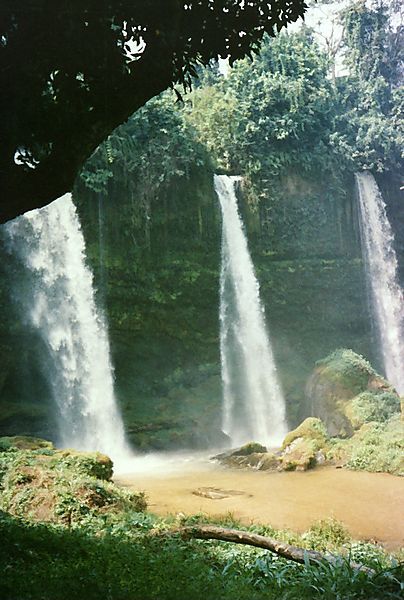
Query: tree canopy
x=72, y=71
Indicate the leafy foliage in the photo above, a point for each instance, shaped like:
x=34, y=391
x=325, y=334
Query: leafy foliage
x=91, y=66
x=275, y=111
x=368, y=130
x=134, y=561
x=369, y=407
x=349, y=368
x=376, y=447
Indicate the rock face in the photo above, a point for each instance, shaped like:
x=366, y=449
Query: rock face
x=344, y=391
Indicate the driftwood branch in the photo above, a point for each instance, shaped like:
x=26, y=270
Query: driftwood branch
x=300, y=555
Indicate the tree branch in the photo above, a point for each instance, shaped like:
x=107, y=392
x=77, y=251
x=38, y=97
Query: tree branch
x=236, y=536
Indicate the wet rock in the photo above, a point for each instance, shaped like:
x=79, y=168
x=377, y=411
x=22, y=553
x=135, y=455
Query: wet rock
x=303, y=448
x=310, y=429
x=300, y=455
x=246, y=450
x=260, y=461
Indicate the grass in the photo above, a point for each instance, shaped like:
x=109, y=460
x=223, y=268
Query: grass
x=123, y=560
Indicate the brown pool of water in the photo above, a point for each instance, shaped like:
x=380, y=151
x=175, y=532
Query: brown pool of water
x=370, y=505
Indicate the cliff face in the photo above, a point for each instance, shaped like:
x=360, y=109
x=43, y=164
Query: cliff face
x=160, y=282
x=157, y=276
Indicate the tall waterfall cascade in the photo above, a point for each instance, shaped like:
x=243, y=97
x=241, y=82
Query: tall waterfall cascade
x=253, y=403
x=381, y=270
x=60, y=304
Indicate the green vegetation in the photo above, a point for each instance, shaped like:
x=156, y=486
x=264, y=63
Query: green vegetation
x=137, y=558
x=377, y=447
x=348, y=368
x=367, y=407
x=59, y=486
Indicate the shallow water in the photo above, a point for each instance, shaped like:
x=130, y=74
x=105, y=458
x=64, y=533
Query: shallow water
x=369, y=504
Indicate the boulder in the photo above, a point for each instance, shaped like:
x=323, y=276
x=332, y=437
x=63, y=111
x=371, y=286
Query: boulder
x=310, y=429
x=335, y=382
x=300, y=455
x=250, y=448
x=303, y=447
x=251, y=455
x=246, y=450
x=61, y=486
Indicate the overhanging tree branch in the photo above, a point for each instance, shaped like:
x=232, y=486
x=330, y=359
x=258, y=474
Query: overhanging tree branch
x=72, y=71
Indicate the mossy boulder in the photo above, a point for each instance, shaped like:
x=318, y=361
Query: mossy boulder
x=22, y=442
x=300, y=455
x=303, y=448
x=310, y=429
x=250, y=448
x=249, y=456
x=93, y=464
x=259, y=461
x=61, y=486
x=338, y=379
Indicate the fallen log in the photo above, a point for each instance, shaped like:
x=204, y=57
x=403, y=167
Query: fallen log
x=236, y=536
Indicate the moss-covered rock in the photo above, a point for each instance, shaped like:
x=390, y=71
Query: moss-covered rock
x=22, y=442
x=337, y=380
x=300, y=455
x=303, y=448
x=310, y=429
x=61, y=486
x=250, y=448
x=92, y=464
x=259, y=461
x=250, y=456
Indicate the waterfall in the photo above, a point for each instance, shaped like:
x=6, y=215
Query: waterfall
x=59, y=303
x=381, y=270
x=253, y=404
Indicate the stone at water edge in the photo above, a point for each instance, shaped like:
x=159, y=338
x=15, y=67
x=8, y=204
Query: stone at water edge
x=312, y=429
x=252, y=455
x=303, y=447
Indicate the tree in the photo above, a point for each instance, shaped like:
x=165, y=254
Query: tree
x=73, y=70
x=369, y=129
x=271, y=114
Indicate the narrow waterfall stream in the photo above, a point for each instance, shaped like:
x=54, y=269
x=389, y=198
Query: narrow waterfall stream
x=253, y=403
x=381, y=270
x=59, y=302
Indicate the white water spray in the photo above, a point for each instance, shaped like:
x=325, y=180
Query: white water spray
x=60, y=304
x=381, y=268
x=253, y=404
